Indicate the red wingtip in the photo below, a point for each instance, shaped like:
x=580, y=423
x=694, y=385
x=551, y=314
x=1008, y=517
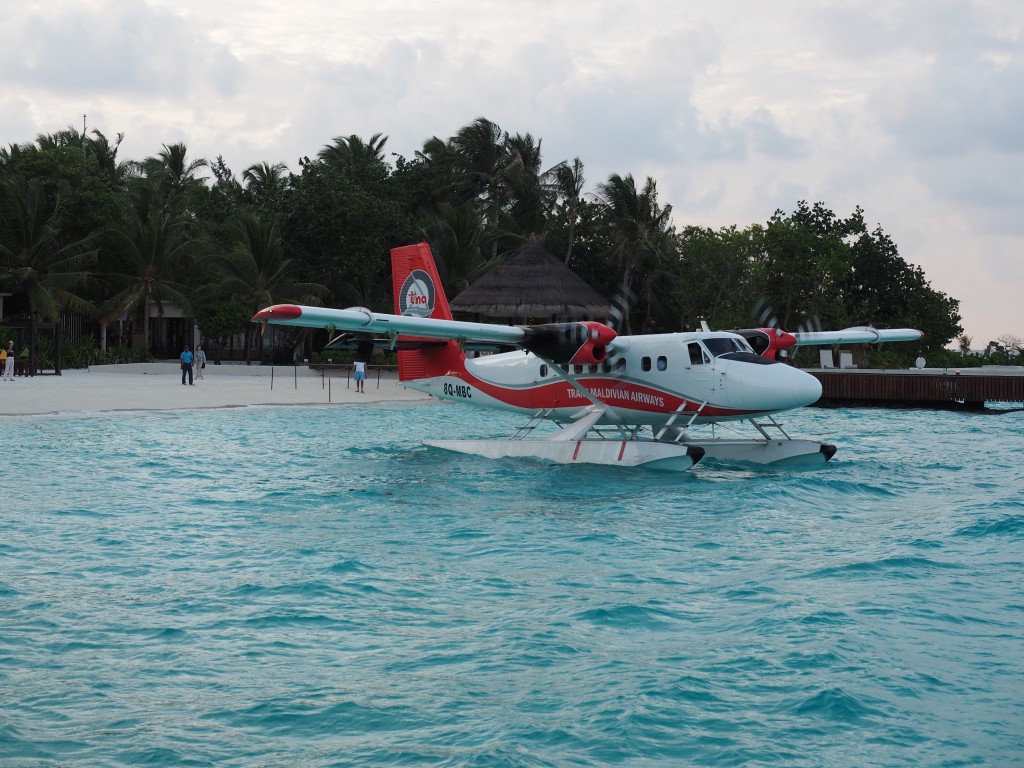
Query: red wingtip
x=279, y=312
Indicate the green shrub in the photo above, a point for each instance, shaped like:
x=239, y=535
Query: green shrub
x=84, y=353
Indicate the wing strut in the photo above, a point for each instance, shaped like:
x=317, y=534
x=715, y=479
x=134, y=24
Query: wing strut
x=579, y=387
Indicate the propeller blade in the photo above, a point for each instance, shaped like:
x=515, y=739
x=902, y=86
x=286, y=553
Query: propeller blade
x=811, y=325
x=764, y=314
x=621, y=302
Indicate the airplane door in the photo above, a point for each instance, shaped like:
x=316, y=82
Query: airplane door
x=700, y=371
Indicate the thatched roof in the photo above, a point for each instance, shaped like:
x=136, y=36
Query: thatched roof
x=532, y=283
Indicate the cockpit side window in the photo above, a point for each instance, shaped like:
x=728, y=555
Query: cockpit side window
x=696, y=353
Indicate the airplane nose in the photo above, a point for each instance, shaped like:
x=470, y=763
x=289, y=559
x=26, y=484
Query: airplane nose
x=775, y=387
x=807, y=389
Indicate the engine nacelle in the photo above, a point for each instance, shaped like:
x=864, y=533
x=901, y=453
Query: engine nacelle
x=768, y=342
x=582, y=343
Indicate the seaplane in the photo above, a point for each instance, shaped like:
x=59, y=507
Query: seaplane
x=631, y=401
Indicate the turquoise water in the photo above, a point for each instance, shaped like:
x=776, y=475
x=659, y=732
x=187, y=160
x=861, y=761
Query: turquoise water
x=311, y=587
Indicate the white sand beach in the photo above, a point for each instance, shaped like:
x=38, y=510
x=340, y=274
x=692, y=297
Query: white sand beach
x=157, y=386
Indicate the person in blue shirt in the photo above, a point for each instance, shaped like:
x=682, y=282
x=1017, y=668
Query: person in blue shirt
x=186, y=365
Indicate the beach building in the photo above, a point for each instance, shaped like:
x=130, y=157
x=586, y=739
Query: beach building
x=530, y=286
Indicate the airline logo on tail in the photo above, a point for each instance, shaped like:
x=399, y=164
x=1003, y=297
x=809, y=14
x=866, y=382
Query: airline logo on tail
x=417, y=295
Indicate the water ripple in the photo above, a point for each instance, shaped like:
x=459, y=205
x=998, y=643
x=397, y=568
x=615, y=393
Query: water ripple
x=256, y=587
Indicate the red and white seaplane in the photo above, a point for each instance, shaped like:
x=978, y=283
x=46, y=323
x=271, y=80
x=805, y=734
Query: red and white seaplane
x=642, y=400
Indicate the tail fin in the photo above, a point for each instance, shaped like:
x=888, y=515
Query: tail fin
x=417, y=286
x=418, y=292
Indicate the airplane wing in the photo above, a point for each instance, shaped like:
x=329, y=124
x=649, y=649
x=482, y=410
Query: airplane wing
x=582, y=343
x=359, y=319
x=859, y=335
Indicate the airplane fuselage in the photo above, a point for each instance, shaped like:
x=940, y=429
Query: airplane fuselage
x=710, y=376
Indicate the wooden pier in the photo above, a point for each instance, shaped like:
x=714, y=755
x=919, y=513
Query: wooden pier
x=968, y=389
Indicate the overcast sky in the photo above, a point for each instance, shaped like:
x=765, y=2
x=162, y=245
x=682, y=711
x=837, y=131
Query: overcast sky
x=913, y=110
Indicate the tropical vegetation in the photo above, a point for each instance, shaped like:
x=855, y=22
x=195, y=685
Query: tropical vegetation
x=112, y=242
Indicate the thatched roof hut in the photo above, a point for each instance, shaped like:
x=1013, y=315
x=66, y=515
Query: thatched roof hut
x=531, y=285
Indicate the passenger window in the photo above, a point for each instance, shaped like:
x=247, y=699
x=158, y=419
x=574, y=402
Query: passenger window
x=592, y=368
x=645, y=363
x=606, y=367
x=662, y=362
x=696, y=354
x=620, y=364
x=543, y=370
x=577, y=369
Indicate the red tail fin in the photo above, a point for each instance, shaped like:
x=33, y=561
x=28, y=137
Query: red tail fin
x=418, y=292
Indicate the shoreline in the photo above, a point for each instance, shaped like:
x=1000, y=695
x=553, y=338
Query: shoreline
x=157, y=387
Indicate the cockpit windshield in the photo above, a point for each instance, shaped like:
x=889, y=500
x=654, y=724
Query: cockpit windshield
x=723, y=346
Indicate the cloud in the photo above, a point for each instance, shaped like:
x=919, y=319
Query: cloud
x=911, y=109
x=965, y=101
x=133, y=50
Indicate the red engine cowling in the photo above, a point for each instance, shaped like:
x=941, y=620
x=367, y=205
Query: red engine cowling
x=768, y=342
x=582, y=343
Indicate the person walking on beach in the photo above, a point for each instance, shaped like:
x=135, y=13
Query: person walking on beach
x=9, y=362
x=186, y=366
x=360, y=375
x=199, y=360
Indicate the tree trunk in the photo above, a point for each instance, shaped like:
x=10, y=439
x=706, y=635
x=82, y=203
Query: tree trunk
x=145, y=325
x=31, y=341
x=248, y=345
x=57, y=348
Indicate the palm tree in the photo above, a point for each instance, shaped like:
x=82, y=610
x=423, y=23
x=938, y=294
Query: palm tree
x=156, y=247
x=105, y=153
x=255, y=271
x=347, y=150
x=35, y=257
x=457, y=246
x=524, y=189
x=175, y=175
x=480, y=156
x=11, y=155
x=638, y=226
x=69, y=137
x=470, y=167
x=264, y=183
x=567, y=181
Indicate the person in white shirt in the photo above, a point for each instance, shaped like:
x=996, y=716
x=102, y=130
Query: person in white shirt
x=360, y=375
x=199, y=361
x=9, y=364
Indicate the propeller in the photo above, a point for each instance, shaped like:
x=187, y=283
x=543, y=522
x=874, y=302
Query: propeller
x=811, y=325
x=764, y=313
x=770, y=339
x=621, y=302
